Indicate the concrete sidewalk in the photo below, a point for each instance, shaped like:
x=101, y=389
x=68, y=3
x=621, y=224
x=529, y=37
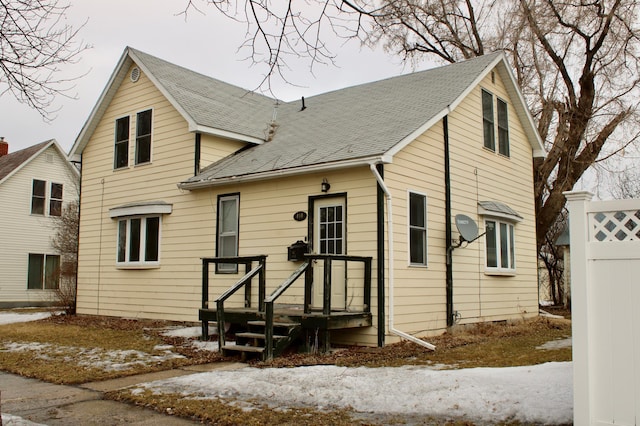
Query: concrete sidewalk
x=53, y=405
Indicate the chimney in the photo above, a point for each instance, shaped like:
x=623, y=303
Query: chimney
x=4, y=147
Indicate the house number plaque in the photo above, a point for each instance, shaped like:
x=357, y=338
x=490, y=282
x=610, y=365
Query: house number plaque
x=300, y=216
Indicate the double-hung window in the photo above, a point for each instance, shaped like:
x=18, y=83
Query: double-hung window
x=228, y=224
x=139, y=241
x=121, y=150
x=143, y=137
x=489, y=123
x=43, y=272
x=38, y=196
x=417, y=229
x=503, y=128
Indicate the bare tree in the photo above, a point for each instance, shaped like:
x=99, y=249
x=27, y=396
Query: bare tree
x=576, y=61
x=65, y=242
x=34, y=43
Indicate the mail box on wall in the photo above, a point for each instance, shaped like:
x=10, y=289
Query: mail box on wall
x=297, y=250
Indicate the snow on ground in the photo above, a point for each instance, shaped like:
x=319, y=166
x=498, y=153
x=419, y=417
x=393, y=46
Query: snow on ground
x=540, y=394
x=9, y=420
x=13, y=317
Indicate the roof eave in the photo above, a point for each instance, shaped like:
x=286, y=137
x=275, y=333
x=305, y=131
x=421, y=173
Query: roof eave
x=272, y=174
x=194, y=127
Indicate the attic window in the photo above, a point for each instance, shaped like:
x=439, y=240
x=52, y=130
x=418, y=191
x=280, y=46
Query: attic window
x=135, y=74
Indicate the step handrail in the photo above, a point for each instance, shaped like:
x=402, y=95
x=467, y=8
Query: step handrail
x=269, y=303
x=246, y=279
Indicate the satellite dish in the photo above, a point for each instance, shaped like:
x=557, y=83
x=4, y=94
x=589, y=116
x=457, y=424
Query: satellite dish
x=467, y=228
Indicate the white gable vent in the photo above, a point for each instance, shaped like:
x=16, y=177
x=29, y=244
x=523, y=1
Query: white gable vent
x=135, y=74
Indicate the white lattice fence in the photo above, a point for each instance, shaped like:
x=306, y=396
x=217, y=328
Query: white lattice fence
x=605, y=281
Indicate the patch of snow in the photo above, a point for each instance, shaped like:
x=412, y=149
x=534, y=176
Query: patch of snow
x=9, y=420
x=556, y=344
x=183, y=332
x=14, y=317
x=206, y=346
x=540, y=394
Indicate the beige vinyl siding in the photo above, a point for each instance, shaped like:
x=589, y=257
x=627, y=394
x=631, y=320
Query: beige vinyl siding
x=24, y=233
x=477, y=174
x=173, y=290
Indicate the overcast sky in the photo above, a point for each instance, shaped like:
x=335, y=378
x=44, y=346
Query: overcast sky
x=204, y=43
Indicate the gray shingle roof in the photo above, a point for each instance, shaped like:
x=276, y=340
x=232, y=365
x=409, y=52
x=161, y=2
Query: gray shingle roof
x=210, y=102
x=357, y=122
x=10, y=162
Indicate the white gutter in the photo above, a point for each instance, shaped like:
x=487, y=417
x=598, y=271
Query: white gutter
x=391, y=267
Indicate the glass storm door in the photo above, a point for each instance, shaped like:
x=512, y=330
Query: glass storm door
x=330, y=238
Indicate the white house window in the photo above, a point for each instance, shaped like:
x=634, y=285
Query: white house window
x=121, y=150
x=43, y=271
x=500, y=243
x=417, y=229
x=139, y=241
x=38, y=196
x=488, y=121
x=228, y=224
x=143, y=137
x=503, y=128
x=55, y=200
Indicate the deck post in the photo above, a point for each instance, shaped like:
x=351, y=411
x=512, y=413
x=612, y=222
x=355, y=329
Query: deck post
x=268, y=331
x=262, y=283
x=247, y=287
x=205, y=298
x=308, y=286
x=220, y=321
x=367, y=284
x=326, y=305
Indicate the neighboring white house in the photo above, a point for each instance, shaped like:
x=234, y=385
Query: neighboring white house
x=35, y=184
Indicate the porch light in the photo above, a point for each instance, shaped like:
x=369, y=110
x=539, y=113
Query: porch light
x=325, y=185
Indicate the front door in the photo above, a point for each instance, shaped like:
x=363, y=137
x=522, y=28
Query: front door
x=330, y=238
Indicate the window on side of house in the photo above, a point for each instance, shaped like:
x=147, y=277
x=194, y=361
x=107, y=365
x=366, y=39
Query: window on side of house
x=228, y=225
x=43, y=271
x=417, y=229
x=500, y=246
x=139, y=241
x=503, y=128
x=143, y=137
x=55, y=199
x=121, y=150
x=38, y=196
x=488, y=121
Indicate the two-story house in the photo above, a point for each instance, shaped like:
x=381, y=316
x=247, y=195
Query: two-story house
x=35, y=185
x=347, y=199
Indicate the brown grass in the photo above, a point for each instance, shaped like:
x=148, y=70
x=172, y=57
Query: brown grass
x=482, y=345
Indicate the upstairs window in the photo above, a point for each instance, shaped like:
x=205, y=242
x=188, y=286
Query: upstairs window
x=228, y=225
x=503, y=128
x=143, y=137
x=417, y=229
x=38, y=196
x=55, y=201
x=43, y=272
x=121, y=151
x=488, y=121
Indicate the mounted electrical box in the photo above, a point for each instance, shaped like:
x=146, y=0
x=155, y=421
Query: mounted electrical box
x=297, y=250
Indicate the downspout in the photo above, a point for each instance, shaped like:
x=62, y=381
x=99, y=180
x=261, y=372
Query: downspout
x=392, y=329
x=447, y=218
x=381, y=257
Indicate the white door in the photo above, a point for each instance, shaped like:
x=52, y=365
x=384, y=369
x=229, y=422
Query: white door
x=330, y=238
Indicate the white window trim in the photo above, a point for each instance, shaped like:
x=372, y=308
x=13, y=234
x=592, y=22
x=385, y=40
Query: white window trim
x=139, y=264
x=499, y=270
x=221, y=267
x=135, y=138
x=426, y=229
x=115, y=135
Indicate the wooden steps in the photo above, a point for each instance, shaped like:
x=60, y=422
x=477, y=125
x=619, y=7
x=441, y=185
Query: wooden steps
x=251, y=342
